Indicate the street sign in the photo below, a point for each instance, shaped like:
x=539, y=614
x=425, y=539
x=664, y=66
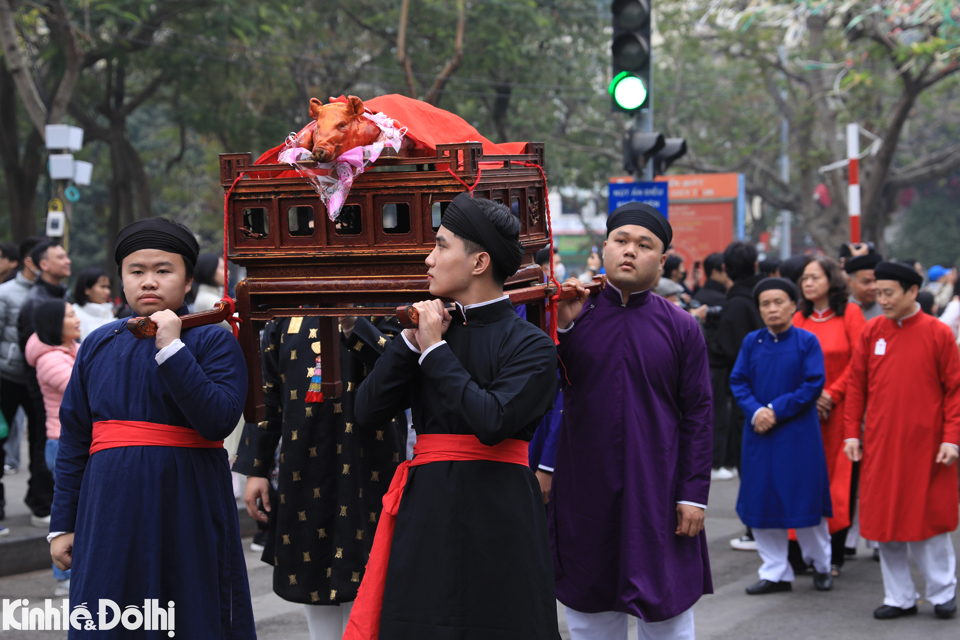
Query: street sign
x=651, y=193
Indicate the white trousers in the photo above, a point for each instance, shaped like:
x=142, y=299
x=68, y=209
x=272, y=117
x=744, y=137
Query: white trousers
x=612, y=625
x=937, y=562
x=773, y=545
x=327, y=623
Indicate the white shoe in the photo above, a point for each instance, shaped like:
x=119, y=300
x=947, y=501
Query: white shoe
x=8, y=470
x=744, y=543
x=41, y=523
x=63, y=588
x=4, y=531
x=722, y=474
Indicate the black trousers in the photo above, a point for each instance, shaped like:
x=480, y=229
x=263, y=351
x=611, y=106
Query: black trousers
x=727, y=422
x=40, y=485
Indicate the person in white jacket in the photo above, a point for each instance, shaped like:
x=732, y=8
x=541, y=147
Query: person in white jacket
x=91, y=300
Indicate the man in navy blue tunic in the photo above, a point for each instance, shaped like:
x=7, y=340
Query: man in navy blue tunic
x=776, y=380
x=144, y=508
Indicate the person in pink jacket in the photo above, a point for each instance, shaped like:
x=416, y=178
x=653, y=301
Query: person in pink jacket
x=52, y=350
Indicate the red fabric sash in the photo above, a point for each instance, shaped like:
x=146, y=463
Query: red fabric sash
x=110, y=434
x=364, y=621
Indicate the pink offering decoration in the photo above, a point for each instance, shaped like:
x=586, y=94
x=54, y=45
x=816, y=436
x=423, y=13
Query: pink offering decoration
x=333, y=180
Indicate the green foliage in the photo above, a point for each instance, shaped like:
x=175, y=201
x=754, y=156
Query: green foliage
x=930, y=232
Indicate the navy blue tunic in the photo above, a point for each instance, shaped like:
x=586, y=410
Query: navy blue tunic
x=155, y=522
x=783, y=481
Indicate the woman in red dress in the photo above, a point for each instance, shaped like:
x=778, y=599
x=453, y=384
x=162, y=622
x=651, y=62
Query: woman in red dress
x=824, y=311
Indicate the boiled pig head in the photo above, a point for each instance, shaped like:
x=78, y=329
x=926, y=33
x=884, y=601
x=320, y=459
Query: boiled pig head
x=340, y=127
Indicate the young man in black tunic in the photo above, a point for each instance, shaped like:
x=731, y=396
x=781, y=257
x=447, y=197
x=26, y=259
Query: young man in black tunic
x=470, y=557
x=332, y=475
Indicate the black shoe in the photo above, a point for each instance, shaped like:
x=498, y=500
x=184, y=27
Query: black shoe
x=850, y=553
x=768, y=586
x=823, y=581
x=886, y=612
x=876, y=555
x=947, y=609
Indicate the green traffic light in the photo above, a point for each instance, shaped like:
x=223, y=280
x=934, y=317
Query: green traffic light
x=628, y=91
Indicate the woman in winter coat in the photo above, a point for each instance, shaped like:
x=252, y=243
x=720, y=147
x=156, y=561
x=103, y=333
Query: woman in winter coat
x=52, y=350
x=91, y=300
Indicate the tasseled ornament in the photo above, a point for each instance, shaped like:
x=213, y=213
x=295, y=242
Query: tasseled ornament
x=314, y=394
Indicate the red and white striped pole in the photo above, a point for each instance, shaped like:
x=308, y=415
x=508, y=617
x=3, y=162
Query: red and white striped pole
x=853, y=190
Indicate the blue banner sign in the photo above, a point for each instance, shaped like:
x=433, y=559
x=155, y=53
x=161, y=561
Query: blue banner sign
x=651, y=193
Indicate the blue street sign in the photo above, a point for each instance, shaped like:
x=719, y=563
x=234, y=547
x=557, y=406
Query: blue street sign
x=651, y=193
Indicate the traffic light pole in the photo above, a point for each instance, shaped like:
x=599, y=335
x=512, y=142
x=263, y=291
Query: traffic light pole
x=643, y=122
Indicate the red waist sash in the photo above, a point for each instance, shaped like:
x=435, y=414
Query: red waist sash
x=364, y=623
x=110, y=434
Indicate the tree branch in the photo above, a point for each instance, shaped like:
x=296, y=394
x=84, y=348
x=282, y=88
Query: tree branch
x=142, y=37
x=92, y=130
x=140, y=98
x=928, y=167
x=950, y=69
x=183, y=149
x=62, y=28
x=13, y=54
x=433, y=96
x=402, y=57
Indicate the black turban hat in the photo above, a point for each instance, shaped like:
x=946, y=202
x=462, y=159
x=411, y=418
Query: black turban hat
x=863, y=263
x=642, y=215
x=465, y=218
x=768, y=284
x=157, y=233
x=898, y=271
x=792, y=267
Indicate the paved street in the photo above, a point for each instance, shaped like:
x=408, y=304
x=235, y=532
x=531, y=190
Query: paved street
x=729, y=614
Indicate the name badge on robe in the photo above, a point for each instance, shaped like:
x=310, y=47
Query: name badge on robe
x=880, y=348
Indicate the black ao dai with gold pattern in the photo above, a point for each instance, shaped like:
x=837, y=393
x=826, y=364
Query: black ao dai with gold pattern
x=332, y=475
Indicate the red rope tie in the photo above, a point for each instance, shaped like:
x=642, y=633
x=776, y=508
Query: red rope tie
x=469, y=188
x=554, y=299
x=231, y=319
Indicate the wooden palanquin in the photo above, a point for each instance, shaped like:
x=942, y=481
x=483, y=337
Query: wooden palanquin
x=299, y=263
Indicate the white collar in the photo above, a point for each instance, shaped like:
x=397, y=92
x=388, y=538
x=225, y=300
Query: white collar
x=915, y=312
x=463, y=308
x=610, y=284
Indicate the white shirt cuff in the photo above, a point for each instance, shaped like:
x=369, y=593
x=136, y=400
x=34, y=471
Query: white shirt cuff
x=545, y=468
x=409, y=344
x=693, y=504
x=168, y=351
x=429, y=349
x=852, y=440
x=955, y=446
x=54, y=534
x=753, y=420
x=559, y=330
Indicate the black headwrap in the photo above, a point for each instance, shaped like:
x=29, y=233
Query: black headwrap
x=466, y=219
x=782, y=284
x=156, y=233
x=862, y=263
x=642, y=215
x=792, y=267
x=48, y=321
x=898, y=271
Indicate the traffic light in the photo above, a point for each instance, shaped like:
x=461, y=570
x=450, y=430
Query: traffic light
x=673, y=150
x=630, y=88
x=638, y=148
